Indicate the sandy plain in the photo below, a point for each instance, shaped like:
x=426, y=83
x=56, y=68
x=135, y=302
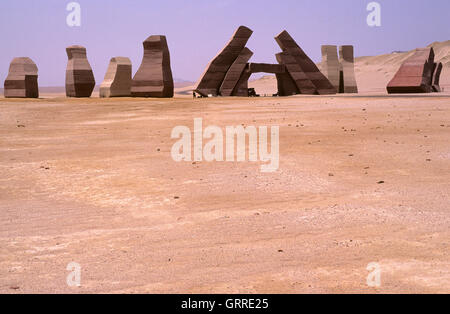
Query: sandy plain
x=362, y=179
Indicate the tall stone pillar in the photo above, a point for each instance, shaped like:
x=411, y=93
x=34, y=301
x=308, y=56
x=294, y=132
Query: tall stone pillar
x=80, y=81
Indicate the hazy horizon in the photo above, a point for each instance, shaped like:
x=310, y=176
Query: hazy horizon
x=197, y=29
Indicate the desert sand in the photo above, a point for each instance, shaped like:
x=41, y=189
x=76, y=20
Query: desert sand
x=362, y=179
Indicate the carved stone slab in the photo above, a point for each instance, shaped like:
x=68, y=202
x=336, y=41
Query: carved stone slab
x=117, y=82
x=331, y=65
x=346, y=58
x=415, y=74
x=301, y=80
x=154, y=76
x=215, y=72
x=267, y=68
x=290, y=47
x=235, y=72
x=241, y=88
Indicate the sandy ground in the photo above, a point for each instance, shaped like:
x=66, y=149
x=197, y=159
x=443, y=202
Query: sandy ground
x=92, y=181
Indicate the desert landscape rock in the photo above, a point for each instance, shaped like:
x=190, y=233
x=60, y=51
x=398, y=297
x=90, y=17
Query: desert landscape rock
x=80, y=81
x=117, y=82
x=211, y=80
x=415, y=74
x=347, y=82
x=309, y=68
x=22, y=79
x=154, y=76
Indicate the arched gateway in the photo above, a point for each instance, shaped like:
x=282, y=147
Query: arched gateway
x=228, y=73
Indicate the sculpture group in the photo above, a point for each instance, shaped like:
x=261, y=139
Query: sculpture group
x=228, y=72
x=153, y=79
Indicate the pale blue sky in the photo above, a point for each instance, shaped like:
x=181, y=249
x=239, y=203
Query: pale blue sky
x=197, y=29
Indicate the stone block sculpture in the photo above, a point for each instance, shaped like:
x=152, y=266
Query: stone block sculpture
x=266, y=68
x=215, y=72
x=241, y=88
x=117, y=82
x=154, y=76
x=347, y=70
x=303, y=83
x=286, y=85
x=415, y=74
x=331, y=66
x=228, y=73
x=340, y=70
x=22, y=79
x=80, y=81
x=290, y=47
x=234, y=73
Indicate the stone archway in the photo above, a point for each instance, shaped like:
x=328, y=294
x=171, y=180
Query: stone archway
x=285, y=86
x=228, y=73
